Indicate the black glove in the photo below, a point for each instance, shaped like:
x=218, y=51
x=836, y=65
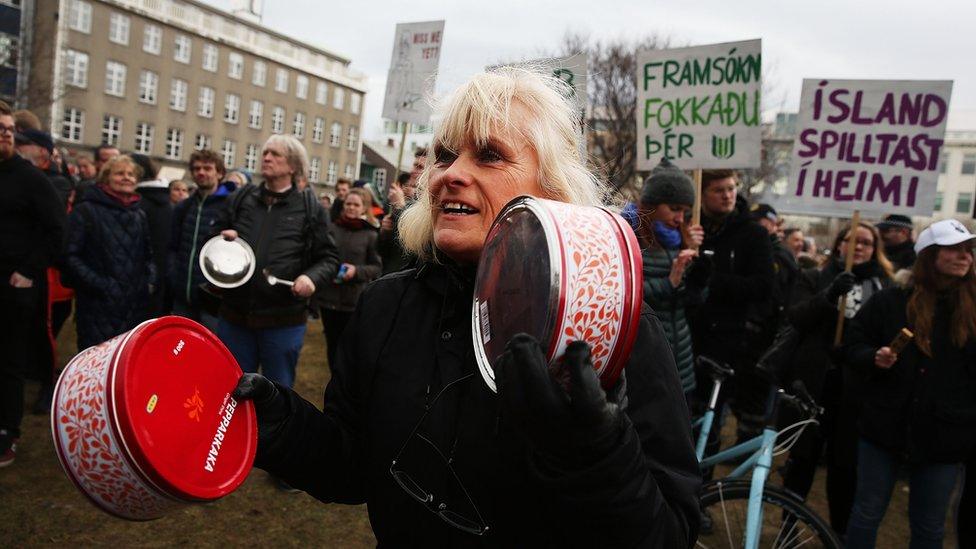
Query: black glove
x=270, y=405
x=841, y=284
x=700, y=271
x=562, y=413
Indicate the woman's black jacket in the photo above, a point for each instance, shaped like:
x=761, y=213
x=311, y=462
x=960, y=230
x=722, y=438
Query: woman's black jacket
x=409, y=336
x=108, y=260
x=922, y=407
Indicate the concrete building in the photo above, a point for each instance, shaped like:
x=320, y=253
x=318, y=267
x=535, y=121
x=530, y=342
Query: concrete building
x=957, y=176
x=418, y=135
x=11, y=63
x=165, y=77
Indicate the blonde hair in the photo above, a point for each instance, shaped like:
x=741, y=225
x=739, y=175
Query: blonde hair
x=479, y=109
x=111, y=162
x=295, y=154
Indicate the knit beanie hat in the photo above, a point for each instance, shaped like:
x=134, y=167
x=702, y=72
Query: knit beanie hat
x=667, y=184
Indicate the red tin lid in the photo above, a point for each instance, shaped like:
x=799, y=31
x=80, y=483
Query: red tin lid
x=170, y=400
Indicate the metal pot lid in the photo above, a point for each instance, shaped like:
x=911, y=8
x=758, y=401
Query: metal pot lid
x=227, y=263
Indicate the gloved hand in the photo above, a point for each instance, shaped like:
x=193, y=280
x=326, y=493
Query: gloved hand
x=562, y=413
x=270, y=405
x=841, y=284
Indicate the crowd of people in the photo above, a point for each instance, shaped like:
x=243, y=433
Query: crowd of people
x=406, y=425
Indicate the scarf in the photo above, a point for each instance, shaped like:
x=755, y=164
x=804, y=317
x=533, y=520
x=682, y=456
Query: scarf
x=352, y=224
x=668, y=238
x=125, y=199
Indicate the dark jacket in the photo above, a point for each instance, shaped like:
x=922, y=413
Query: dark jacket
x=922, y=407
x=63, y=186
x=394, y=257
x=159, y=213
x=785, y=273
x=410, y=335
x=290, y=237
x=669, y=304
x=357, y=246
x=108, y=259
x=733, y=321
x=902, y=256
x=31, y=220
x=194, y=221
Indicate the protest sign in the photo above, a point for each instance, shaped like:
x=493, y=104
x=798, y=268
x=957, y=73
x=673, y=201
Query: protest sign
x=699, y=106
x=416, y=54
x=867, y=145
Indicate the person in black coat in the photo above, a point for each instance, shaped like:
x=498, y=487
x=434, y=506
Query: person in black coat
x=732, y=325
x=410, y=428
x=815, y=361
x=155, y=202
x=919, y=403
x=31, y=229
x=896, y=230
x=108, y=255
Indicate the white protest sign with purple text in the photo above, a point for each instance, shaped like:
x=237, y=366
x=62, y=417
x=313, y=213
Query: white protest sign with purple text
x=700, y=106
x=416, y=54
x=868, y=145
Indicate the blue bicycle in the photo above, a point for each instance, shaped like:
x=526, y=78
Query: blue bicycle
x=750, y=514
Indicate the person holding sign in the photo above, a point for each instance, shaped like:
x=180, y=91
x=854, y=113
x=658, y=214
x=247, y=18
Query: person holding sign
x=813, y=314
x=732, y=325
x=408, y=427
x=919, y=405
x=669, y=249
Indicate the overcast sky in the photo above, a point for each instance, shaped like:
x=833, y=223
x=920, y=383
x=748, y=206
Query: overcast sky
x=931, y=39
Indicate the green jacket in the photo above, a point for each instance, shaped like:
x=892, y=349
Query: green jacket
x=669, y=303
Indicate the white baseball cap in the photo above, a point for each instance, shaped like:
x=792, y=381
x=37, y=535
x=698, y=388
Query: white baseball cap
x=947, y=232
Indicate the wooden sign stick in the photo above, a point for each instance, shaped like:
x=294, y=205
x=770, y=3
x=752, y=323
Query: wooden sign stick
x=696, y=209
x=848, y=265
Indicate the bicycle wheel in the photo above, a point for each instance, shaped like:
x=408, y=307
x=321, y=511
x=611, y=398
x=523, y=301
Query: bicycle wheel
x=787, y=521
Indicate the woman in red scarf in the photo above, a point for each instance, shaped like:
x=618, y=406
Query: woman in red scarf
x=355, y=233
x=108, y=255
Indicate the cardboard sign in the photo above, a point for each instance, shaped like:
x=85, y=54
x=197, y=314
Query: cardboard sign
x=700, y=106
x=868, y=145
x=416, y=54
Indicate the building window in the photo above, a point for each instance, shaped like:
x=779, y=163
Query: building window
x=348, y=172
x=181, y=49
x=251, y=157
x=255, y=114
x=351, y=138
x=278, y=120
x=174, y=143
x=205, y=106
x=314, y=169
x=152, y=39
x=144, y=137
x=76, y=68
x=228, y=151
x=330, y=175
x=202, y=142
x=321, y=93
x=318, y=129
x=335, y=135
x=938, y=202
x=338, y=98
x=301, y=86
x=354, y=102
x=964, y=204
x=298, y=126
x=79, y=16
x=281, y=80
x=943, y=161
x=232, y=108
x=379, y=178
x=968, y=164
x=210, y=57
x=115, y=78
x=111, y=130
x=148, y=86
x=260, y=74
x=235, y=66
x=118, y=29
x=177, y=94
x=73, y=123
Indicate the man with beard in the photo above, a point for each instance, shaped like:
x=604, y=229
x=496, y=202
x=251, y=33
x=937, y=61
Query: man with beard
x=193, y=223
x=31, y=227
x=896, y=231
